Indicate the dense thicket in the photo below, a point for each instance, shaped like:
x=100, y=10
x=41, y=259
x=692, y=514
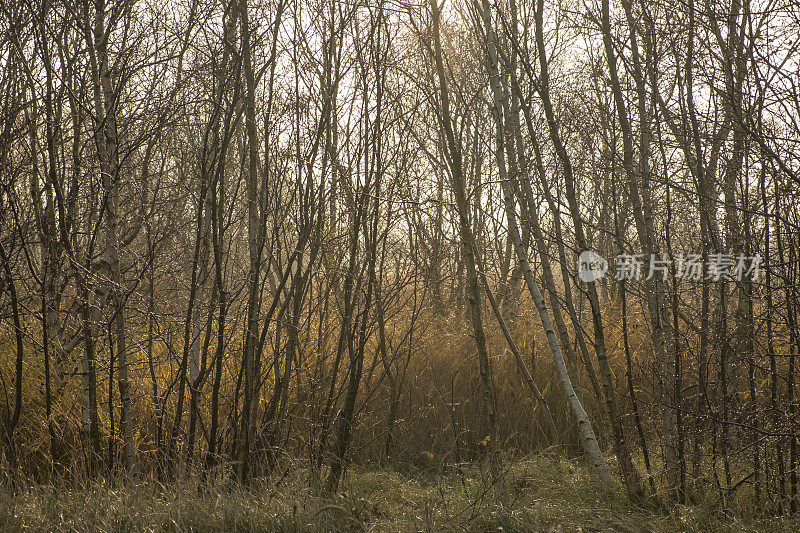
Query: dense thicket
x=236, y=234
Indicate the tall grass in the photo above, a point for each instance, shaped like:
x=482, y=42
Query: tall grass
x=546, y=492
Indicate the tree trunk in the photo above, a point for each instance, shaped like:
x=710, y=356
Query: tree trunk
x=454, y=160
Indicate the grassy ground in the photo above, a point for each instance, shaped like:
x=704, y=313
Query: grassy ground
x=543, y=493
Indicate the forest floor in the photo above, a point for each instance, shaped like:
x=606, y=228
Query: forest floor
x=542, y=493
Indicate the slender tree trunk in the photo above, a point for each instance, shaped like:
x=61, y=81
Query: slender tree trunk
x=662, y=334
x=588, y=438
x=13, y=414
x=255, y=238
x=454, y=159
x=105, y=108
x=630, y=474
